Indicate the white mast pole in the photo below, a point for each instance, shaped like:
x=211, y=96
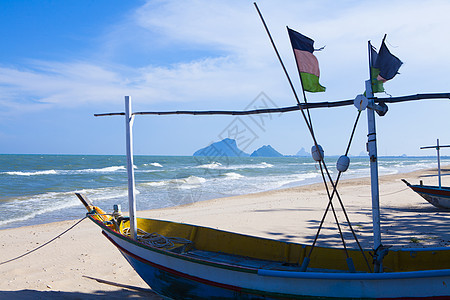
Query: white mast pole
x=372, y=148
x=439, y=162
x=129, y=119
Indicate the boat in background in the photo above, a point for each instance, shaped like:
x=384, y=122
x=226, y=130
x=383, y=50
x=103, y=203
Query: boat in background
x=438, y=196
x=435, y=195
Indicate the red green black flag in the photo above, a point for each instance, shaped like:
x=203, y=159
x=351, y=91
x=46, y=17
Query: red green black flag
x=307, y=63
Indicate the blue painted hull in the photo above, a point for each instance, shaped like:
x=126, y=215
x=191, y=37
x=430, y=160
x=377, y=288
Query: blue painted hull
x=184, y=276
x=176, y=287
x=439, y=197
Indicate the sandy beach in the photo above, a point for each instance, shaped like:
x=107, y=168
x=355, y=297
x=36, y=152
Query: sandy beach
x=65, y=268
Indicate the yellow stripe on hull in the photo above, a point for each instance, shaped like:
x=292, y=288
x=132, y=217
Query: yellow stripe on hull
x=209, y=239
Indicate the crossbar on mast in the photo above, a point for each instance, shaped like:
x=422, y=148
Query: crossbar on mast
x=285, y=109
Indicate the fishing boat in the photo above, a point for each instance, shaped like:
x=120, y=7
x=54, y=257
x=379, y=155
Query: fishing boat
x=206, y=263
x=184, y=261
x=438, y=196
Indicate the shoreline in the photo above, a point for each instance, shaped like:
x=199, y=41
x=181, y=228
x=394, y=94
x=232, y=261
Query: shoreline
x=304, y=206
x=34, y=195
x=290, y=214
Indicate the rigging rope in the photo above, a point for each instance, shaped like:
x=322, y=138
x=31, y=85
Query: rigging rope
x=309, y=123
x=45, y=244
x=310, y=128
x=387, y=194
x=330, y=204
x=157, y=240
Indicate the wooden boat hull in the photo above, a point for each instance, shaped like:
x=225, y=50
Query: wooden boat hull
x=179, y=275
x=437, y=196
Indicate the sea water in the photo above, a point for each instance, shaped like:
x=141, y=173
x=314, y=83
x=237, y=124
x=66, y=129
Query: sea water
x=36, y=189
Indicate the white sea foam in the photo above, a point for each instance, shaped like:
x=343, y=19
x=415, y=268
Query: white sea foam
x=296, y=179
x=33, y=173
x=49, y=203
x=156, y=183
x=233, y=175
x=111, y=169
x=219, y=166
x=189, y=182
x=42, y=204
x=192, y=180
x=264, y=165
x=155, y=164
x=104, y=170
x=213, y=165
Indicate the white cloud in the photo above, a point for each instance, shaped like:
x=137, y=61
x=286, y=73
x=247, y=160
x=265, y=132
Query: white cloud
x=236, y=60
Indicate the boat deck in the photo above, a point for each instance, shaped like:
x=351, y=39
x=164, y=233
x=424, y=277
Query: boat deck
x=241, y=261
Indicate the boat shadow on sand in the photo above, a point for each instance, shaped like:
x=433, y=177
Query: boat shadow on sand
x=120, y=294
x=444, y=172
x=419, y=227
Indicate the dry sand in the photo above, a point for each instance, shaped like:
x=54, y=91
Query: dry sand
x=58, y=270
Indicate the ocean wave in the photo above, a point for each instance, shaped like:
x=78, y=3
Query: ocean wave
x=45, y=203
x=102, y=194
x=105, y=169
x=156, y=183
x=233, y=175
x=110, y=169
x=219, y=166
x=32, y=173
x=52, y=202
x=191, y=180
x=187, y=182
x=262, y=165
x=213, y=165
x=155, y=164
x=296, y=180
x=159, y=184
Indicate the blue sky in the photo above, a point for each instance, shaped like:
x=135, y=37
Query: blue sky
x=63, y=61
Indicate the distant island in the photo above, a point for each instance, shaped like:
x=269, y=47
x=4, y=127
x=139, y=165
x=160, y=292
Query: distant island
x=302, y=152
x=266, y=151
x=228, y=147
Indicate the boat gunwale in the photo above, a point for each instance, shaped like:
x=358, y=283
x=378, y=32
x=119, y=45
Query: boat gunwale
x=278, y=273
x=173, y=254
x=202, y=280
x=356, y=276
x=433, y=188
